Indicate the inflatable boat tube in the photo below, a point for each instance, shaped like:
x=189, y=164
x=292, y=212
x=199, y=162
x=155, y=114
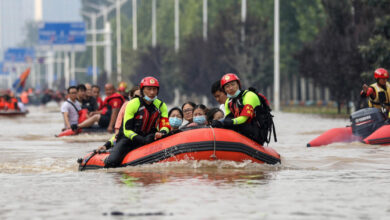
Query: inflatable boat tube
x=334, y=135
x=70, y=132
x=380, y=136
x=197, y=144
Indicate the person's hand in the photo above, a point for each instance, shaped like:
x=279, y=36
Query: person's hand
x=216, y=124
x=158, y=135
x=101, y=148
x=110, y=129
x=365, y=87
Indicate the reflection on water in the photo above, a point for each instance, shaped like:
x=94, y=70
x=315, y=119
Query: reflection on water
x=40, y=178
x=210, y=176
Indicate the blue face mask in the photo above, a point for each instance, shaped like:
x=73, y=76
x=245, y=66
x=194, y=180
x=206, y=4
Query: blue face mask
x=175, y=122
x=149, y=99
x=200, y=120
x=235, y=94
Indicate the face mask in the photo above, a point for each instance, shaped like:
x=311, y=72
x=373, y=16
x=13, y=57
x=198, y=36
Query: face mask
x=200, y=120
x=175, y=122
x=235, y=94
x=149, y=99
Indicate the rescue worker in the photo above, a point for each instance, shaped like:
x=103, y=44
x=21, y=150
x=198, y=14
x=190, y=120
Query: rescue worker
x=11, y=103
x=2, y=102
x=378, y=93
x=122, y=90
x=134, y=92
x=145, y=120
x=239, y=108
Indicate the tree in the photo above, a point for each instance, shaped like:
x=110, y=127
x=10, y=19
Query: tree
x=333, y=58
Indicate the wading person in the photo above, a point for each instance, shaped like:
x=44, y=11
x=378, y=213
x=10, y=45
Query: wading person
x=145, y=120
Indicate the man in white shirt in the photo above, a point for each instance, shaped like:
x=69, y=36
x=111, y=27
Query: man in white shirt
x=219, y=95
x=70, y=108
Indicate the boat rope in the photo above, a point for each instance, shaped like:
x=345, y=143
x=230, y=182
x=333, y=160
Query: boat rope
x=214, y=156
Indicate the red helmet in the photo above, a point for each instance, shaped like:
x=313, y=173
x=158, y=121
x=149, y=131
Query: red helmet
x=228, y=78
x=381, y=73
x=122, y=86
x=149, y=81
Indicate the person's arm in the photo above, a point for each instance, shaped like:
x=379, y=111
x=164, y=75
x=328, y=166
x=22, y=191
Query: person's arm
x=66, y=119
x=164, y=123
x=250, y=101
x=114, y=114
x=131, y=110
x=368, y=91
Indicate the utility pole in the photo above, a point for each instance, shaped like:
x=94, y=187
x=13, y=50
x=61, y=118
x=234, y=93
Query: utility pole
x=154, y=36
x=205, y=20
x=135, y=25
x=118, y=42
x=177, y=43
x=107, y=50
x=94, y=49
x=243, y=19
x=276, y=58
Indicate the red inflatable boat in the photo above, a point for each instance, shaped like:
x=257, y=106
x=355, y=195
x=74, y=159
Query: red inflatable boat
x=13, y=113
x=196, y=144
x=70, y=132
x=368, y=126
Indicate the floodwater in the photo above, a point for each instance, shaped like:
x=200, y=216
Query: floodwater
x=40, y=180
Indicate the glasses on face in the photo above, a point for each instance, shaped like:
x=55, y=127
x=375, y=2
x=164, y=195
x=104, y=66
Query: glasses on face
x=188, y=110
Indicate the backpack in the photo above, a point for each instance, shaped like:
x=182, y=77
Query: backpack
x=264, y=118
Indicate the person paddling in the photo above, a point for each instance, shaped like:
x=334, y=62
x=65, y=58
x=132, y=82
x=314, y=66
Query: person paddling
x=145, y=120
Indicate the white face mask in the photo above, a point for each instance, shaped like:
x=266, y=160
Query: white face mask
x=234, y=95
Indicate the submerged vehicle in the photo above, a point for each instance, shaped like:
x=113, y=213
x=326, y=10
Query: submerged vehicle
x=368, y=125
x=196, y=144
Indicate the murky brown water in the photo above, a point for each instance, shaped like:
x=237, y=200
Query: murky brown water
x=39, y=178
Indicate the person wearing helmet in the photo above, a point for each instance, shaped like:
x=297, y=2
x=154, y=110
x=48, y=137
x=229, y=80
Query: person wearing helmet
x=145, y=120
x=122, y=90
x=239, y=108
x=378, y=93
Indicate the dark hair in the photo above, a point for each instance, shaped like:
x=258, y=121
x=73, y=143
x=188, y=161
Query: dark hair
x=216, y=87
x=176, y=108
x=189, y=103
x=96, y=86
x=71, y=87
x=132, y=91
x=203, y=107
x=81, y=87
x=211, y=113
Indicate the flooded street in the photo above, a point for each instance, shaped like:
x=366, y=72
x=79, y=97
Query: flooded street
x=40, y=178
